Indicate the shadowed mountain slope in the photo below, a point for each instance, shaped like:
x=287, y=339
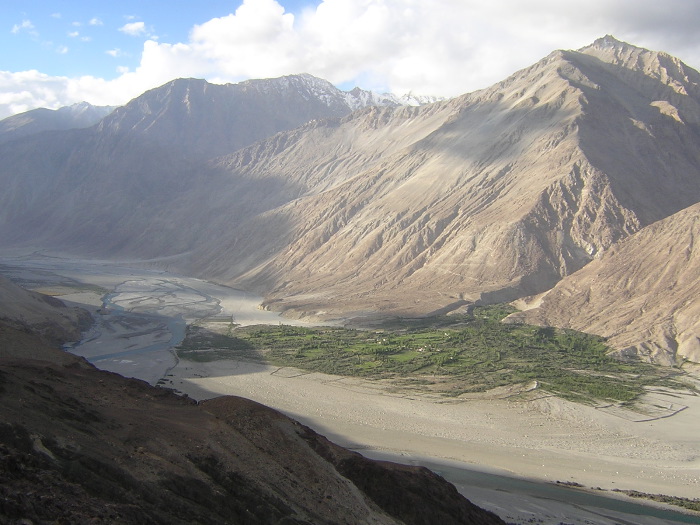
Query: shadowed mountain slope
x=110, y=189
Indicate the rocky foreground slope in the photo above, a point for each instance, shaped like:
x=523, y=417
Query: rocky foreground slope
x=78, y=445
x=40, y=314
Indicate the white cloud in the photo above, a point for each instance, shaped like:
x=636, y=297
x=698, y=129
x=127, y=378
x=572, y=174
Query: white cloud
x=444, y=47
x=134, y=28
x=116, y=52
x=95, y=22
x=29, y=89
x=62, y=50
x=74, y=34
x=26, y=25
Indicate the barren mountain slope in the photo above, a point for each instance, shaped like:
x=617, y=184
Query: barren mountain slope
x=111, y=191
x=642, y=294
x=509, y=193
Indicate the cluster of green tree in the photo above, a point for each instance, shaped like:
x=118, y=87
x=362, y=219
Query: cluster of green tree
x=476, y=351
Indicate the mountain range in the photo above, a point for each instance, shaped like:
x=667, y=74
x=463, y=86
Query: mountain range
x=565, y=179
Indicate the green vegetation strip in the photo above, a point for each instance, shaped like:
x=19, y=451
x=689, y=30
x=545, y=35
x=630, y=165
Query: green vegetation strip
x=691, y=504
x=451, y=355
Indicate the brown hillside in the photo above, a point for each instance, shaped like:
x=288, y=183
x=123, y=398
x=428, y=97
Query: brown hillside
x=641, y=295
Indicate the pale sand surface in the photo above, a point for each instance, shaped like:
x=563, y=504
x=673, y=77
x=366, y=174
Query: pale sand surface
x=545, y=438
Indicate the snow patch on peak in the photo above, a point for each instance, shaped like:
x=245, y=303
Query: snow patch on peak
x=84, y=108
x=311, y=87
x=359, y=98
x=412, y=99
x=609, y=41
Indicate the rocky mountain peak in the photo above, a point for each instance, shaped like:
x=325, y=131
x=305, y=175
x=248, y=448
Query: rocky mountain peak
x=610, y=42
x=198, y=119
x=85, y=108
x=610, y=49
x=298, y=83
x=656, y=65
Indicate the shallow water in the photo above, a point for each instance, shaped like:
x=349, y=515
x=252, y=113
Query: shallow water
x=144, y=313
x=542, y=502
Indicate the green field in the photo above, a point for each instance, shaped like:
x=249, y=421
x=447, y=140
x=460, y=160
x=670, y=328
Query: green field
x=450, y=355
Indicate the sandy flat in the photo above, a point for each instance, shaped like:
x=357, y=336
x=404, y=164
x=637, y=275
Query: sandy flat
x=545, y=438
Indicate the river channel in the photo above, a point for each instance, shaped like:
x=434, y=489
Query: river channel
x=140, y=314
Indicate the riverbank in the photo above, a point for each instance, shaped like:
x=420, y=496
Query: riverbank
x=140, y=314
x=518, y=500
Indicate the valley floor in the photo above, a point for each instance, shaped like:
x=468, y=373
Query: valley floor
x=541, y=438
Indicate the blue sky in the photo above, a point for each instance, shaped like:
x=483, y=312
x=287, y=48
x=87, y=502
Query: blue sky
x=73, y=37
x=58, y=52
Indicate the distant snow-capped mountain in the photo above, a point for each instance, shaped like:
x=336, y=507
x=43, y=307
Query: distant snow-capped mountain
x=333, y=97
x=198, y=118
x=80, y=115
x=359, y=98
